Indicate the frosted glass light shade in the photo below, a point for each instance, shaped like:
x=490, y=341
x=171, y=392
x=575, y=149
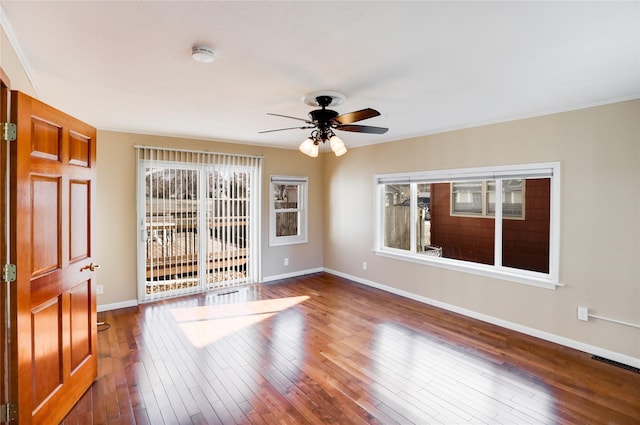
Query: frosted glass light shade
x=340, y=152
x=307, y=146
x=314, y=151
x=337, y=146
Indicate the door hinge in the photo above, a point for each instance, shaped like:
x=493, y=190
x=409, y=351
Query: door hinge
x=8, y=131
x=9, y=272
x=8, y=412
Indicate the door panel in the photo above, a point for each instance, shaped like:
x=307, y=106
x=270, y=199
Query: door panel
x=45, y=224
x=80, y=219
x=79, y=149
x=47, y=138
x=53, y=166
x=80, y=325
x=47, y=350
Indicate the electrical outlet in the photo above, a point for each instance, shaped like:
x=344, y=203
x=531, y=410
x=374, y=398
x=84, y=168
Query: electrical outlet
x=583, y=313
x=286, y=261
x=364, y=265
x=99, y=289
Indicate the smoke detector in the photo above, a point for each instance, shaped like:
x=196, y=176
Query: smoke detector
x=202, y=54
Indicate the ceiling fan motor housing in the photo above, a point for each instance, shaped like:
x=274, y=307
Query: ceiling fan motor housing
x=326, y=120
x=323, y=118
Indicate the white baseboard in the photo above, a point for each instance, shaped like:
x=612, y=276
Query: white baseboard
x=289, y=275
x=115, y=306
x=133, y=303
x=598, y=351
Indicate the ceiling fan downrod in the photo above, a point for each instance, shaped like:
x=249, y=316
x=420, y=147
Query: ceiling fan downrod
x=324, y=101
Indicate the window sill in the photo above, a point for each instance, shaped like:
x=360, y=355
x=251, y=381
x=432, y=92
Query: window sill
x=508, y=274
x=291, y=241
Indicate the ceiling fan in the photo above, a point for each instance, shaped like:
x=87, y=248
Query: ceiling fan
x=324, y=121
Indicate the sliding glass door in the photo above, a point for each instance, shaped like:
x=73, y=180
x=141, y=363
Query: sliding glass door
x=197, y=221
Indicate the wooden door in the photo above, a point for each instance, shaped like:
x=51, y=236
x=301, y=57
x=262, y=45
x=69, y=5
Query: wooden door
x=53, y=192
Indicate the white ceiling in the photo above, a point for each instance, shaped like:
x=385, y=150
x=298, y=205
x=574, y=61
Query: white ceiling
x=426, y=66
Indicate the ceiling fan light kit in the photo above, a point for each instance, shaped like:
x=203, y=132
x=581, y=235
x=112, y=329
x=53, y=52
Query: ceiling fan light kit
x=323, y=121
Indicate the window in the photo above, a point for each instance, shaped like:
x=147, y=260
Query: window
x=288, y=210
x=478, y=198
x=198, y=221
x=497, y=221
x=467, y=198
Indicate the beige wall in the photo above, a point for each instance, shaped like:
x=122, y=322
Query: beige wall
x=116, y=215
x=599, y=152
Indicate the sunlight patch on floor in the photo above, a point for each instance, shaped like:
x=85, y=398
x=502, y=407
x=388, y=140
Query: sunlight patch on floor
x=204, y=325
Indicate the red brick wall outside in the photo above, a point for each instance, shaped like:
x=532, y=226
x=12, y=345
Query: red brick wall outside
x=525, y=242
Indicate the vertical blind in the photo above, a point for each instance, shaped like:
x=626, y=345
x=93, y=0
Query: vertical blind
x=198, y=221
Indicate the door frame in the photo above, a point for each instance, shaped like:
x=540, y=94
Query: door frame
x=8, y=387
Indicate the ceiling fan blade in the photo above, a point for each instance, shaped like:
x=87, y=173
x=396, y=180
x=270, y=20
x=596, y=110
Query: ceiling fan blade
x=288, y=128
x=354, y=116
x=362, y=129
x=293, y=118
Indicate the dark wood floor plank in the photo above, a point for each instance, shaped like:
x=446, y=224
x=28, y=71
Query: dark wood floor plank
x=343, y=354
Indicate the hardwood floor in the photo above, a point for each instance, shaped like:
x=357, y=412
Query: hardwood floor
x=320, y=349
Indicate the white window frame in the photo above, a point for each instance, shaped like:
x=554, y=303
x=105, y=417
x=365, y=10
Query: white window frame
x=538, y=170
x=302, y=210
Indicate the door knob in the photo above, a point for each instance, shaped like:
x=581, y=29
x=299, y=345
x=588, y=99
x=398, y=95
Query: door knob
x=92, y=267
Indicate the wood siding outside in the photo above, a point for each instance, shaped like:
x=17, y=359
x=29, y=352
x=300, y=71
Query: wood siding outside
x=525, y=242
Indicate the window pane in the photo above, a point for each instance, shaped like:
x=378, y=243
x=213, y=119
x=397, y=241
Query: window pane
x=171, y=219
x=466, y=197
x=460, y=237
x=285, y=196
x=287, y=224
x=491, y=197
x=397, y=216
x=525, y=243
x=511, y=198
x=423, y=226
